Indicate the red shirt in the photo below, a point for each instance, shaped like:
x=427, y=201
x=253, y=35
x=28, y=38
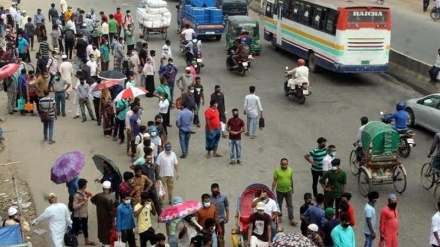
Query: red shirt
x=118, y=18
x=213, y=118
x=351, y=214
x=235, y=125
x=104, y=18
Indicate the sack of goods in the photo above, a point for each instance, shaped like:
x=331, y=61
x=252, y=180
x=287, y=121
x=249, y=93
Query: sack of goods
x=155, y=3
x=155, y=14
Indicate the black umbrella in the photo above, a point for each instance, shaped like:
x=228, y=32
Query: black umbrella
x=112, y=75
x=99, y=163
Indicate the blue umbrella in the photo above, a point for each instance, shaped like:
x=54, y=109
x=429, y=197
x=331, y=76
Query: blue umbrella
x=67, y=167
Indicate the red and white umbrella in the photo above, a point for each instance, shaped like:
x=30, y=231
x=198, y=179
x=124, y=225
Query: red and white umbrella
x=105, y=84
x=131, y=92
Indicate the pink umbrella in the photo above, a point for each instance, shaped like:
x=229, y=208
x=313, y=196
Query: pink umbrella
x=131, y=92
x=8, y=70
x=179, y=211
x=105, y=84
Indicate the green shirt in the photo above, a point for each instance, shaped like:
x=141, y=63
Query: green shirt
x=336, y=179
x=140, y=161
x=162, y=89
x=122, y=104
x=283, y=179
x=318, y=155
x=112, y=26
x=105, y=53
x=129, y=40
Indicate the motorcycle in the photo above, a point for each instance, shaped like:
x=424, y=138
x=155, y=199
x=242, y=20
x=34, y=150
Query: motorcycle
x=406, y=137
x=299, y=93
x=243, y=63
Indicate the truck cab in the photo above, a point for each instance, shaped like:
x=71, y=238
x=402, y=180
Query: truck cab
x=234, y=7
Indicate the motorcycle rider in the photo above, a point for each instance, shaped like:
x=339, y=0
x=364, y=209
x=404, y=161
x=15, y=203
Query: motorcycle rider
x=300, y=76
x=245, y=35
x=193, y=47
x=242, y=51
x=187, y=34
x=400, y=117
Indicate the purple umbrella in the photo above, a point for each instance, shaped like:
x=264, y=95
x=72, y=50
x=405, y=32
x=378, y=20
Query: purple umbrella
x=67, y=167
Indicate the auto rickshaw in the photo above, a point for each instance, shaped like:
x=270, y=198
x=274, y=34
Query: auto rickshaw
x=380, y=162
x=238, y=24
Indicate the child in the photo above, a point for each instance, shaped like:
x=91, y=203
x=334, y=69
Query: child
x=302, y=210
x=280, y=233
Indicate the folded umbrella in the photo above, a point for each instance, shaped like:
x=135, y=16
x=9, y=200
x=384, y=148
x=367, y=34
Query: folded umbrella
x=67, y=167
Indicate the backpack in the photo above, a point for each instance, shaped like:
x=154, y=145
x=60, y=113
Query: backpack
x=69, y=35
x=245, y=51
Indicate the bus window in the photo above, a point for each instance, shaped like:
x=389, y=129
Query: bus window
x=295, y=11
x=300, y=12
x=269, y=7
x=316, y=18
x=307, y=16
x=330, y=25
x=289, y=9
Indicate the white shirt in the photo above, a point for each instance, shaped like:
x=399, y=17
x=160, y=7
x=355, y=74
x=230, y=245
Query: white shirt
x=140, y=149
x=93, y=66
x=359, y=136
x=188, y=34
x=104, y=28
x=66, y=70
x=63, y=4
x=252, y=105
x=166, y=51
x=72, y=26
x=301, y=75
x=327, y=163
x=163, y=106
x=89, y=50
x=435, y=227
x=437, y=61
x=270, y=207
x=166, y=163
x=59, y=219
x=437, y=4
x=127, y=119
x=23, y=21
x=97, y=54
x=95, y=94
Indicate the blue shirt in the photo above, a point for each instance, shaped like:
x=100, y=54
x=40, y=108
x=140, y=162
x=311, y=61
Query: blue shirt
x=22, y=84
x=134, y=125
x=22, y=44
x=400, y=118
x=184, y=120
x=369, y=212
x=222, y=204
x=328, y=228
x=72, y=186
x=316, y=215
x=164, y=69
x=343, y=237
x=124, y=217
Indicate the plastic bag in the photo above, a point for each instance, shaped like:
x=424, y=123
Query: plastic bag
x=119, y=243
x=20, y=104
x=160, y=189
x=261, y=124
x=28, y=106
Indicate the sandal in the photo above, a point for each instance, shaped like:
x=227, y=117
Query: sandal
x=91, y=243
x=216, y=155
x=208, y=156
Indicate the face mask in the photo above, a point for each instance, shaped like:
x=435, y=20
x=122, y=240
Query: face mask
x=168, y=148
x=261, y=212
x=123, y=42
x=206, y=204
x=265, y=200
x=392, y=205
x=309, y=236
x=191, y=91
x=56, y=78
x=333, y=154
x=93, y=59
x=127, y=201
x=188, y=72
x=153, y=134
x=334, y=168
x=213, y=229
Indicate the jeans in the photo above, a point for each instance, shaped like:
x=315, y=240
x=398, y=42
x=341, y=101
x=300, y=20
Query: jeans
x=119, y=128
x=214, y=240
x=196, y=119
x=184, y=141
x=315, y=176
x=81, y=224
x=173, y=241
x=254, y=125
x=147, y=236
x=368, y=240
x=83, y=103
x=235, y=150
x=78, y=63
x=289, y=201
x=48, y=127
x=118, y=64
x=171, y=97
x=60, y=100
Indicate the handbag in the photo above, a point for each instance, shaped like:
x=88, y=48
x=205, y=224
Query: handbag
x=70, y=239
x=161, y=189
x=29, y=106
x=261, y=123
x=119, y=243
x=113, y=236
x=44, y=117
x=20, y=104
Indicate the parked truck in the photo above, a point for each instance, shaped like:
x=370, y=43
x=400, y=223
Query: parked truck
x=202, y=15
x=234, y=7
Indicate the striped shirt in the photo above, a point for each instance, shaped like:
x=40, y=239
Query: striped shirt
x=44, y=48
x=318, y=155
x=47, y=104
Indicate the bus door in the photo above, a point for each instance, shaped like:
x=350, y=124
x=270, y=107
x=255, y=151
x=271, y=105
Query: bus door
x=279, y=19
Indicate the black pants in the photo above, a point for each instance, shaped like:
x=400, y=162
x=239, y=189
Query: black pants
x=165, y=121
x=61, y=45
x=130, y=48
x=147, y=236
x=155, y=199
x=81, y=224
x=119, y=129
x=315, y=176
x=69, y=48
x=425, y=5
x=35, y=100
x=127, y=236
x=330, y=201
x=31, y=37
x=96, y=102
x=433, y=73
x=133, y=148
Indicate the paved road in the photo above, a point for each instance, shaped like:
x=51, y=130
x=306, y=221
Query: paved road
x=333, y=111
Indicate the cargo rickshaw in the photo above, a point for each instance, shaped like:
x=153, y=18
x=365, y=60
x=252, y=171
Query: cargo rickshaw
x=380, y=161
x=238, y=24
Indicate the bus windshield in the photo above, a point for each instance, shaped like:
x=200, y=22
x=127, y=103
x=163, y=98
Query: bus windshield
x=367, y=15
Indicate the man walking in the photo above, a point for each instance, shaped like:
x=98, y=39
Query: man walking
x=434, y=236
x=252, y=108
x=121, y=110
x=199, y=96
x=221, y=202
x=283, y=185
x=48, y=110
x=219, y=98
x=184, y=124
x=370, y=219
x=142, y=212
x=104, y=212
x=235, y=127
x=212, y=129
x=315, y=158
x=389, y=223
x=125, y=221
x=333, y=182
x=167, y=166
x=66, y=70
x=60, y=87
x=343, y=234
x=59, y=219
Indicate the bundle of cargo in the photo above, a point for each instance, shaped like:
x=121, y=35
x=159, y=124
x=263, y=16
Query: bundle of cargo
x=206, y=15
x=155, y=14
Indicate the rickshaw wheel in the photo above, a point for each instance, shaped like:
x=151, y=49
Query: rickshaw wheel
x=426, y=176
x=399, y=179
x=354, y=164
x=164, y=34
x=363, y=182
x=436, y=195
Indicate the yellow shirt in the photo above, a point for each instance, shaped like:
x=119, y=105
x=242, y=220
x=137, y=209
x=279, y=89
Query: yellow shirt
x=144, y=218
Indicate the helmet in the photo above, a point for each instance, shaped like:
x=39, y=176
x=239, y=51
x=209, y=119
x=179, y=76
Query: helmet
x=400, y=106
x=300, y=62
x=243, y=40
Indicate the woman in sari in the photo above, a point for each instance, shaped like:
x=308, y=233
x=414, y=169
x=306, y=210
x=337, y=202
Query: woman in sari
x=107, y=113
